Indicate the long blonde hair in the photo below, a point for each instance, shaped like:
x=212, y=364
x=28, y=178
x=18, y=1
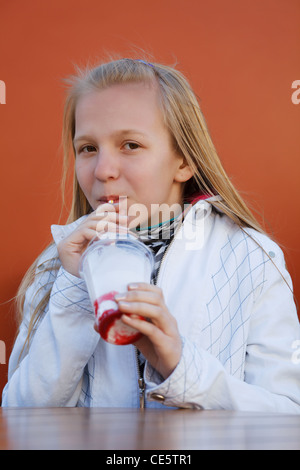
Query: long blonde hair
x=187, y=127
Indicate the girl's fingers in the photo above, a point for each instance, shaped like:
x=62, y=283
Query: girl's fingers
x=146, y=328
x=144, y=286
x=86, y=235
x=107, y=216
x=149, y=297
x=148, y=304
x=161, y=343
x=107, y=207
x=104, y=226
x=145, y=293
x=141, y=308
x=98, y=224
x=119, y=207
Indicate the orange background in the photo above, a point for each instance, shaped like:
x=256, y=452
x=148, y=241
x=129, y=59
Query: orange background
x=241, y=57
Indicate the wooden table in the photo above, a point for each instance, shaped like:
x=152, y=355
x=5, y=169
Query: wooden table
x=121, y=429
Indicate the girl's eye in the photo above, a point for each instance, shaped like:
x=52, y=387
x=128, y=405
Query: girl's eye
x=131, y=146
x=87, y=149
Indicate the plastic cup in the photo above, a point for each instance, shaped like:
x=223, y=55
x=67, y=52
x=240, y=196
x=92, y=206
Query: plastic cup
x=107, y=267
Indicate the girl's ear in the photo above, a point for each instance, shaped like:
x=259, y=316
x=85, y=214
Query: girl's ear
x=184, y=172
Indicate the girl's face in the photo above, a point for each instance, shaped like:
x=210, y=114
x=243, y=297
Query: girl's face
x=123, y=148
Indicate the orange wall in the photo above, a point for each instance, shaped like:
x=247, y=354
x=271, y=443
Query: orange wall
x=241, y=56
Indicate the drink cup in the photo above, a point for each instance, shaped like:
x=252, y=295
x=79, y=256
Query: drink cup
x=107, y=267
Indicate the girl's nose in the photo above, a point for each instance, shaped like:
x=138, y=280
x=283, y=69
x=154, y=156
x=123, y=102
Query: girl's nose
x=107, y=166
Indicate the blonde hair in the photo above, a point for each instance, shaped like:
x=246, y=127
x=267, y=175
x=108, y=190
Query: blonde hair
x=187, y=127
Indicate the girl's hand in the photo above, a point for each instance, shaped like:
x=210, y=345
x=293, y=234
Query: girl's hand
x=161, y=343
x=106, y=218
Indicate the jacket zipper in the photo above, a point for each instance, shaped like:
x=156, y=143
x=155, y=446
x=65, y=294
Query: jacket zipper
x=141, y=381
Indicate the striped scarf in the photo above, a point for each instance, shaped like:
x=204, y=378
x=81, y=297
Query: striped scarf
x=158, y=238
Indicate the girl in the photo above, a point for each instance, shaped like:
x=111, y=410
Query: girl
x=221, y=317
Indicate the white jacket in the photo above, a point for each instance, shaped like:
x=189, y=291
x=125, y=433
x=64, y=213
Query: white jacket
x=235, y=313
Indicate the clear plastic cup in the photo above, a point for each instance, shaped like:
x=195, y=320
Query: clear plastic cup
x=107, y=267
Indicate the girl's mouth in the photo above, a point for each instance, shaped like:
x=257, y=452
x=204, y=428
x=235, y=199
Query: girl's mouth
x=109, y=199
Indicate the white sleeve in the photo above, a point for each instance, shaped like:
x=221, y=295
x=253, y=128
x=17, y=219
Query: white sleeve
x=272, y=375
x=50, y=373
